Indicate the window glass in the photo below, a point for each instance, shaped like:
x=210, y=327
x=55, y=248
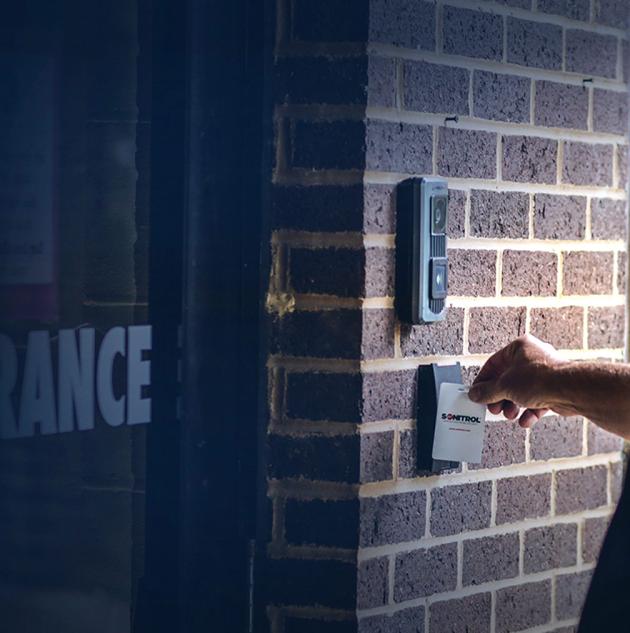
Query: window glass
x=75, y=344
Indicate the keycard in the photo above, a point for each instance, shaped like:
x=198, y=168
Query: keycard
x=459, y=425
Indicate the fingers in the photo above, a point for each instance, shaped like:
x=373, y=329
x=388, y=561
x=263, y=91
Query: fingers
x=530, y=416
x=510, y=410
x=487, y=392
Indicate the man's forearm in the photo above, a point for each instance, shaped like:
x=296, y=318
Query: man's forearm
x=598, y=391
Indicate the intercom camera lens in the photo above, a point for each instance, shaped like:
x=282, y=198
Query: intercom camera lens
x=439, y=214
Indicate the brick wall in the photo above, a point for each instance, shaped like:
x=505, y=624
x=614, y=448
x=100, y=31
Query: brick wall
x=537, y=168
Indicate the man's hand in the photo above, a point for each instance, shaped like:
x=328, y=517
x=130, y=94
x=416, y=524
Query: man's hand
x=516, y=377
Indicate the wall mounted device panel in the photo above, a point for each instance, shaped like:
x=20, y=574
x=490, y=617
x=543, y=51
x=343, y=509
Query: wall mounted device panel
x=421, y=261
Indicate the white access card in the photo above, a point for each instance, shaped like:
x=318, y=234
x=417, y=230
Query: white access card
x=459, y=425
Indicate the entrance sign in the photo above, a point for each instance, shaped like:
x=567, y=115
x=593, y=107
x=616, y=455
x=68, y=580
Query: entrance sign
x=106, y=380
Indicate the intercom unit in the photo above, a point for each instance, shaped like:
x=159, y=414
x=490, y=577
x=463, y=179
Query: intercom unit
x=430, y=378
x=421, y=261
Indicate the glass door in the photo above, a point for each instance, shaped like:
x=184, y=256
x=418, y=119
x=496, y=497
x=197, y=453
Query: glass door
x=90, y=296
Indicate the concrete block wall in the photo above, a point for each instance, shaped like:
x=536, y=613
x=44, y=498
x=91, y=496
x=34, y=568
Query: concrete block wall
x=522, y=106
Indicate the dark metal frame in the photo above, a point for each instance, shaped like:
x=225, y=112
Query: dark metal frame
x=210, y=159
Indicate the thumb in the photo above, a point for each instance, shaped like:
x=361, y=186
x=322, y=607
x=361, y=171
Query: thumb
x=487, y=392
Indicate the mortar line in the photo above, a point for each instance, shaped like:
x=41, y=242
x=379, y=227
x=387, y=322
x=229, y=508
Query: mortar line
x=469, y=591
x=377, y=489
x=493, y=614
x=468, y=184
x=560, y=161
x=530, y=223
x=460, y=61
x=521, y=552
x=589, y=115
x=381, y=113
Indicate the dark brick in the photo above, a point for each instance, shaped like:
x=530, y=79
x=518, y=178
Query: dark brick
x=622, y=273
x=587, y=273
x=590, y=53
x=399, y=147
x=606, y=327
x=561, y=105
x=460, y=508
x=314, y=457
x=425, y=572
x=593, y=537
x=403, y=621
x=381, y=82
x=529, y=159
x=379, y=272
x=521, y=498
x=580, y=489
x=328, y=145
x=496, y=214
x=472, y=33
x=492, y=328
x=322, y=396
x=501, y=97
x=534, y=44
x=612, y=13
x=470, y=373
x=392, y=518
x=372, y=584
x=471, y=273
x=378, y=334
x=490, y=558
x=317, y=522
x=625, y=59
x=376, y=456
x=527, y=273
x=443, y=337
x=562, y=327
x=466, y=153
x=622, y=165
x=326, y=334
x=616, y=480
x=574, y=9
x=587, y=164
x=318, y=271
x=389, y=395
x=303, y=625
x=327, y=21
x=550, y=547
x=380, y=208
x=326, y=583
x=462, y=615
x=610, y=111
x=339, y=80
x=554, y=437
x=559, y=217
x=521, y=4
x=435, y=88
x=608, y=219
x=601, y=441
x=456, y=213
x=408, y=454
x=523, y=606
x=570, y=594
x=403, y=23
x=504, y=444
x=318, y=208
